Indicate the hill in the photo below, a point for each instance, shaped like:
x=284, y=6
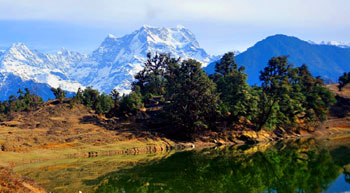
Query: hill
x=327, y=61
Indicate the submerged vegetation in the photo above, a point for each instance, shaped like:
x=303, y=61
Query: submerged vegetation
x=190, y=102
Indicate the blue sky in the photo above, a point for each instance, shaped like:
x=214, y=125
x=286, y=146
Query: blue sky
x=219, y=25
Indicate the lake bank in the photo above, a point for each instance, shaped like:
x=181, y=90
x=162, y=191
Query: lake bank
x=70, y=135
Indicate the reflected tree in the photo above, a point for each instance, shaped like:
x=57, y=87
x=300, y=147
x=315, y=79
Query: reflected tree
x=289, y=170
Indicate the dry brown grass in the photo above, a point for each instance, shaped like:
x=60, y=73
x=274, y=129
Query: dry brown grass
x=344, y=93
x=57, y=131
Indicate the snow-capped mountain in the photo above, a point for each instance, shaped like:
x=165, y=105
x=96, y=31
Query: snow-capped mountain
x=117, y=60
x=22, y=64
x=112, y=65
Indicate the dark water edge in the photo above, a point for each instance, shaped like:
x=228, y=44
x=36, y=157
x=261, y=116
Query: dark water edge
x=304, y=165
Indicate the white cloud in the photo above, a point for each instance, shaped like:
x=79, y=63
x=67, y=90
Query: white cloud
x=219, y=25
x=282, y=12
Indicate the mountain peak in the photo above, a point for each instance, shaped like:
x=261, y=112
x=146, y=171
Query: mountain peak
x=180, y=27
x=281, y=36
x=19, y=51
x=63, y=51
x=281, y=40
x=178, y=36
x=108, y=41
x=18, y=46
x=145, y=26
x=111, y=36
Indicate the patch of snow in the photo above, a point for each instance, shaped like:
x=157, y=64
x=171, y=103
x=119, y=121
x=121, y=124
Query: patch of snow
x=331, y=43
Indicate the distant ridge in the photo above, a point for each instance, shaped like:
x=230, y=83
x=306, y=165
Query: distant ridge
x=327, y=61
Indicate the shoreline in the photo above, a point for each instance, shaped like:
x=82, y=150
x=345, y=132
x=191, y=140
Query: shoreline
x=142, y=146
x=146, y=151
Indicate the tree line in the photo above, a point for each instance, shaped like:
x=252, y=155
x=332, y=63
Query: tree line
x=24, y=101
x=193, y=102
x=287, y=96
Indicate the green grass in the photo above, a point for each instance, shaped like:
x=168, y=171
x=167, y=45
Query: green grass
x=41, y=154
x=70, y=175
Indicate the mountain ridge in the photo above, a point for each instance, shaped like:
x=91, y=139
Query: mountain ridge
x=327, y=61
x=112, y=65
x=117, y=59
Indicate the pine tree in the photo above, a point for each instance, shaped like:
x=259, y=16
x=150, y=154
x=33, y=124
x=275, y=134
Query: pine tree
x=194, y=102
x=275, y=89
x=237, y=100
x=131, y=103
x=59, y=94
x=344, y=80
x=291, y=94
x=151, y=80
x=227, y=64
x=103, y=104
x=116, y=106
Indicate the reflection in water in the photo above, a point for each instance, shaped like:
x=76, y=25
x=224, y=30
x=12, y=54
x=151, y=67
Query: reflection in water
x=347, y=177
x=286, y=168
x=303, y=166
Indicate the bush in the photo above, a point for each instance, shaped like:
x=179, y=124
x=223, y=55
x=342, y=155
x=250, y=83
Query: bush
x=131, y=103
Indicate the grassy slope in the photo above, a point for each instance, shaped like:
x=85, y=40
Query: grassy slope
x=337, y=125
x=57, y=131
x=76, y=174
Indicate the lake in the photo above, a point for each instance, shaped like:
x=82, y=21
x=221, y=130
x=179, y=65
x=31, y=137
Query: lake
x=305, y=165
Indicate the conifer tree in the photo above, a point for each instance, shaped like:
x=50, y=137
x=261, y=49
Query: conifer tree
x=344, y=80
x=151, y=80
x=59, y=94
x=194, y=103
x=291, y=94
x=237, y=100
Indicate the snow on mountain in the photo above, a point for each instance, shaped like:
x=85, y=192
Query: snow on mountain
x=335, y=43
x=28, y=64
x=331, y=43
x=112, y=65
x=117, y=60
